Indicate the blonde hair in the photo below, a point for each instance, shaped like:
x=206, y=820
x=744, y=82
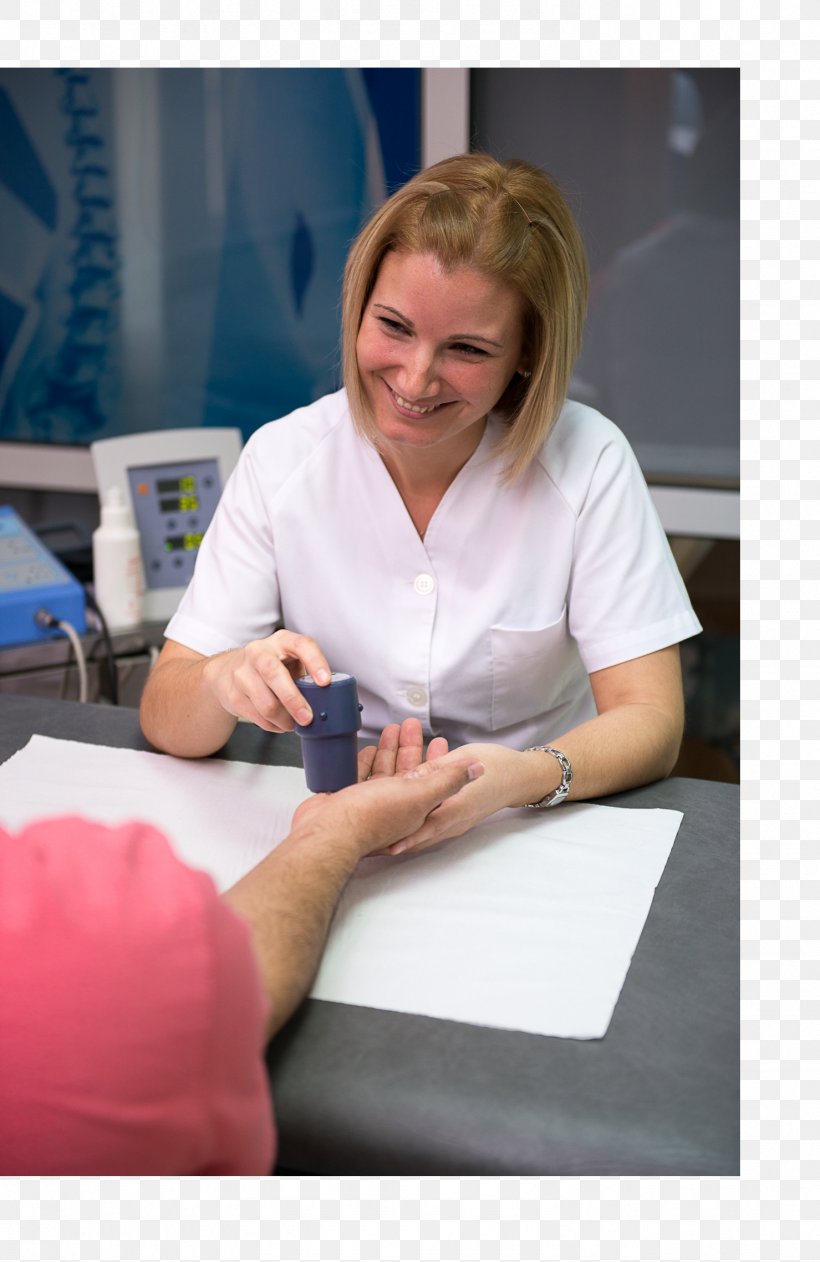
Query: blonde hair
x=509, y=221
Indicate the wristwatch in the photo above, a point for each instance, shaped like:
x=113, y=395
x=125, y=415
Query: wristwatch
x=557, y=795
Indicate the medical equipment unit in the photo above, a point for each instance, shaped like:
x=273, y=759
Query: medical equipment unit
x=38, y=597
x=171, y=481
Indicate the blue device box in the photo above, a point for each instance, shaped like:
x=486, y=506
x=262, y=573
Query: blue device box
x=32, y=579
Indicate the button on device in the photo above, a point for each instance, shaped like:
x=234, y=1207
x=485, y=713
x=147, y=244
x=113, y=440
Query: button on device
x=417, y=696
x=424, y=584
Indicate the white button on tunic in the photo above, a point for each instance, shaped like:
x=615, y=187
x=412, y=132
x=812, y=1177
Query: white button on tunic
x=424, y=584
x=488, y=628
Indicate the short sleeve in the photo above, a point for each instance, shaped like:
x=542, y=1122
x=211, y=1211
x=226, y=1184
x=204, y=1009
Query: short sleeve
x=133, y=1019
x=626, y=597
x=233, y=596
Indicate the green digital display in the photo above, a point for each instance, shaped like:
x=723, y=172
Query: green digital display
x=182, y=504
x=187, y=484
x=183, y=543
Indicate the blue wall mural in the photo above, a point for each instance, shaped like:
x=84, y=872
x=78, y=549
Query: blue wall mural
x=172, y=241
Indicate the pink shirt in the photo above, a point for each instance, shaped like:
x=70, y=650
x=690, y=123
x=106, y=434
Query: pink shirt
x=132, y=1017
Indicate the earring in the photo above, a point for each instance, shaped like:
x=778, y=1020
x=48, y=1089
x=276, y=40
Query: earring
x=525, y=373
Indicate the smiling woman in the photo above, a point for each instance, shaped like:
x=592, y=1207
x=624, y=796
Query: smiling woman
x=479, y=551
x=437, y=348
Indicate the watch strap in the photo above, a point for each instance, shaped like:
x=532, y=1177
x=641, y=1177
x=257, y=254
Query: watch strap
x=556, y=795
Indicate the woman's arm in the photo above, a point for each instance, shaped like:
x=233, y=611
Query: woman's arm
x=634, y=739
x=191, y=703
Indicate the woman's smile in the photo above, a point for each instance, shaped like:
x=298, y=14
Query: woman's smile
x=414, y=409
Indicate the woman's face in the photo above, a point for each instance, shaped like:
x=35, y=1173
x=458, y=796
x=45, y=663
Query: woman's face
x=436, y=351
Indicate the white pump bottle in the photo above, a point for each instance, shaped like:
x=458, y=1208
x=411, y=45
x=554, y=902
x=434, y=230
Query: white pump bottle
x=118, y=577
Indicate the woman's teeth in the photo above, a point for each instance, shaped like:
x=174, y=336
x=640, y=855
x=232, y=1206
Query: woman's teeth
x=412, y=407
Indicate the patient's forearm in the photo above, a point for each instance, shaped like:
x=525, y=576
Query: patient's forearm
x=288, y=902
x=288, y=899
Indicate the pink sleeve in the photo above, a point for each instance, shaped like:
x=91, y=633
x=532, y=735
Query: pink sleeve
x=132, y=1021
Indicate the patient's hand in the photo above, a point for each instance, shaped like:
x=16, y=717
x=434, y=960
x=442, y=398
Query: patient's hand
x=375, y=810
x=400, y=749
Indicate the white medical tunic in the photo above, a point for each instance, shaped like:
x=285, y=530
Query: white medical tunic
x=486, y=629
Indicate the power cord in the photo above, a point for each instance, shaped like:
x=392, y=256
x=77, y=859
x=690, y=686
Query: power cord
x=109, y=648
x=47, y=620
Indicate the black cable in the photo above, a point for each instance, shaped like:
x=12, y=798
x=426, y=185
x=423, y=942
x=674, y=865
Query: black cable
x=109, y=648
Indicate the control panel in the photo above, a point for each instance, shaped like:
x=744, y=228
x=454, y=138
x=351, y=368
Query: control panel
x=173, y=503
x=32, y=579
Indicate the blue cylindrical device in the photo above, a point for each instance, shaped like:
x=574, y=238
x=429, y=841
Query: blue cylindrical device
x=329, y=742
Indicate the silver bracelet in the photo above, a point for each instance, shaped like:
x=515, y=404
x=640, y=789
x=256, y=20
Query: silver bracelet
x=557, y=795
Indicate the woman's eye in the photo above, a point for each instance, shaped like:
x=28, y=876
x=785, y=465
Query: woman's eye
x=465, y=348
x=392, y=326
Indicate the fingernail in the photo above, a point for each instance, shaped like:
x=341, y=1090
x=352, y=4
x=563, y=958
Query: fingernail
x=322, y=676
x=304, y=716
x=399, y=848
x=475, y=770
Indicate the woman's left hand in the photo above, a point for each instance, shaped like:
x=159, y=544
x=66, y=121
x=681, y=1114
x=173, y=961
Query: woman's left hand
x=507, y=781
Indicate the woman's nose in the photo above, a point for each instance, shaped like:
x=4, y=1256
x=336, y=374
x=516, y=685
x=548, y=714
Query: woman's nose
x=418, y=374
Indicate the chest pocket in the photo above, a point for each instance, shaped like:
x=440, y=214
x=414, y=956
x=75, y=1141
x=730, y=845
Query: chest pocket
x=534, y=671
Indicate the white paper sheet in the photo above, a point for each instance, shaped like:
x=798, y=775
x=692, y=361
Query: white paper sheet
x=528, y=923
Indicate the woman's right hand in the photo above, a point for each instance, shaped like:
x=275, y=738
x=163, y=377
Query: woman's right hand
x=257, y=682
